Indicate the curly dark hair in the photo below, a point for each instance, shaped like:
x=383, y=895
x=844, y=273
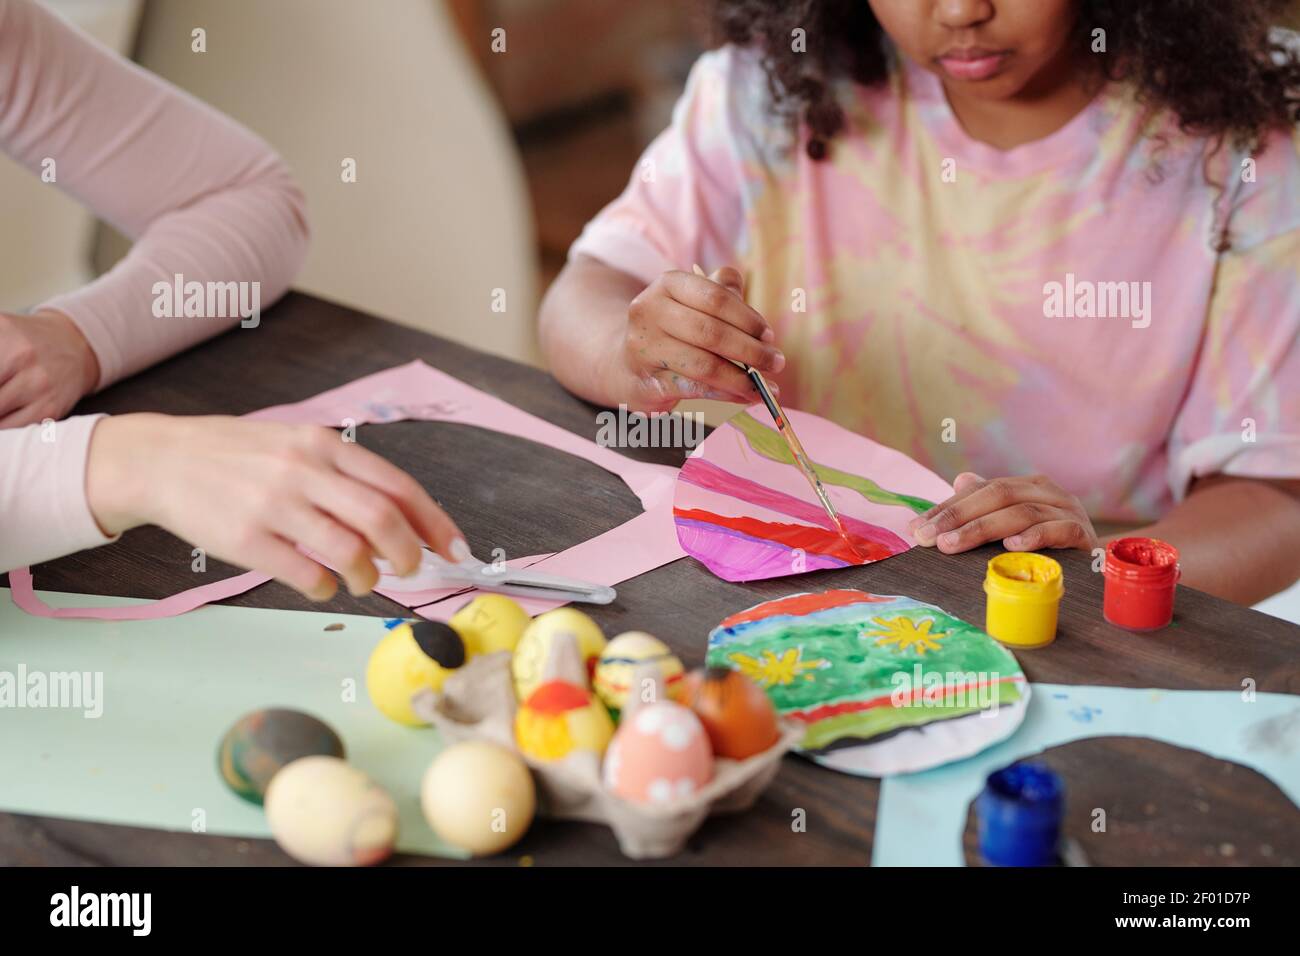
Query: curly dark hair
x=1210, y=62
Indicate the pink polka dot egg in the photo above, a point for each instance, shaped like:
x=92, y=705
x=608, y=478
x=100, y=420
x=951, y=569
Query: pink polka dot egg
x=660, y=754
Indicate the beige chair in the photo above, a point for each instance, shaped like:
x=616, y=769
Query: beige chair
x=436, y=230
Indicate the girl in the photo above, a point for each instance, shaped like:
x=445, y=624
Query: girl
x=204, y=198
x=1054, y=243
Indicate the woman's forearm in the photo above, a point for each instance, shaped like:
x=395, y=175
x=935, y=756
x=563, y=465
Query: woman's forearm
x=205, y=200
x=582, y=322
x=43, y=509
x=1237, y=538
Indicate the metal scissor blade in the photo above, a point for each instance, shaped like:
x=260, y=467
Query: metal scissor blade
x=521, y=583
x=586, y=594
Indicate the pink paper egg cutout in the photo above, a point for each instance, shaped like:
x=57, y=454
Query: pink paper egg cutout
x=660, y=754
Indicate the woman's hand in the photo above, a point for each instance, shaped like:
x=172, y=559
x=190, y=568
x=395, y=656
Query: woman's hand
x=684, y=333
x=258, y=494
x=1026, y=514
x=46, y=365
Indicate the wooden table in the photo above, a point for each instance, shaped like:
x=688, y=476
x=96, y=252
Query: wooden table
x=508, y=493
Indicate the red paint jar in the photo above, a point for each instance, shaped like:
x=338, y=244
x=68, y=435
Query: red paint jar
x=1140, y=577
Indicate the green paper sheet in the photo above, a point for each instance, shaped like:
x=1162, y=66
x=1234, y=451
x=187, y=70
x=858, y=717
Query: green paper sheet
x=170, y=689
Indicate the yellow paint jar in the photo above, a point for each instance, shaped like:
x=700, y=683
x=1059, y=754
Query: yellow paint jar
x=1024, y=593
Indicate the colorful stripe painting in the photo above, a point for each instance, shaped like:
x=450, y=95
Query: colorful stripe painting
x=883, y=683
x=744, y=510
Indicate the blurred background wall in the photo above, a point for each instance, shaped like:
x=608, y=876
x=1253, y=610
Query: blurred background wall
x=585, y=85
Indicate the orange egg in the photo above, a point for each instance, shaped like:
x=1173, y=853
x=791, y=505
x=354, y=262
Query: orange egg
x=738, y=717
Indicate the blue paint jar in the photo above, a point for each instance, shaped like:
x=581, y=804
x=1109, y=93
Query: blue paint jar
x=1019, y=814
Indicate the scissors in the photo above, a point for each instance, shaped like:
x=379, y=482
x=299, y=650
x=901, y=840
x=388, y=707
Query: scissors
x=436, y=572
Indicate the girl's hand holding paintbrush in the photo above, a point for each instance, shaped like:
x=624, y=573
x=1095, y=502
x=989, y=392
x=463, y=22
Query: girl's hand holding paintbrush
x=683, y=337
x=685, y=333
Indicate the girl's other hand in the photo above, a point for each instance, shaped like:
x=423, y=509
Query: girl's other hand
x=684, y=334
x=1026, y=514
x=259, y=494
x=46, y=365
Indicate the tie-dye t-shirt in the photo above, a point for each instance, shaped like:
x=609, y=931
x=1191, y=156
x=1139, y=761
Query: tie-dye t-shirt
x=1059, y=308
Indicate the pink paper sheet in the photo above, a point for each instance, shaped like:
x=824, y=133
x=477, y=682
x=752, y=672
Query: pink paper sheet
x=416, y=391
x=20, y=588
x=747, y=512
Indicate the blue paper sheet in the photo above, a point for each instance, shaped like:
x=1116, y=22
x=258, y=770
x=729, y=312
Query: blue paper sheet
x=922, y=816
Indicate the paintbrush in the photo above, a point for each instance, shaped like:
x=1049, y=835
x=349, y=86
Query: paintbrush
x=786, y=430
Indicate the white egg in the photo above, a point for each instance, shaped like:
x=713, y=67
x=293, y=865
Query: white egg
x=324, y=812
x=478, y=796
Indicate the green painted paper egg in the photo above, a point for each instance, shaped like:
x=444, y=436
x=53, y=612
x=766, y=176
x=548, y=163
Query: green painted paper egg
x=261, y=743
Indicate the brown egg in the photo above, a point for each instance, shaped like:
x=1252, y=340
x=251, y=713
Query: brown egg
x=737, y=715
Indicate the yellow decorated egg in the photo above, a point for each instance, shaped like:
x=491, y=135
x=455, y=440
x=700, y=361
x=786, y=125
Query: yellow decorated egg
x=529, y=663
x=490, y=623
x=414, y=656
x=660, y=754
x=324, y=812
x=621, y=657
x=560, y=718
x=478, y=796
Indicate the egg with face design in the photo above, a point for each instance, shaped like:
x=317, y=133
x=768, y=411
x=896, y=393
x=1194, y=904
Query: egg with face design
x=490, y=623
x=660, y=754
x=414, y=656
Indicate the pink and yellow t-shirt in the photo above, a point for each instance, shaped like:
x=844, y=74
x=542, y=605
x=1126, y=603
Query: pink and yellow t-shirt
x=1058, y=308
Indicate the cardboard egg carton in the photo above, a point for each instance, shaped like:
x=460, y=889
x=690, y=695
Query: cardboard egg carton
x=478, y=702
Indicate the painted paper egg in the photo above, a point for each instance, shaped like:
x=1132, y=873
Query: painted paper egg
x=559, y=718
x=324, y=812
x=738, y=717
x=490, y=623
x=478, y=796
x=621, y=657
x=529, y=663
x=262, y=743
x=660, y=754
x=413, y=656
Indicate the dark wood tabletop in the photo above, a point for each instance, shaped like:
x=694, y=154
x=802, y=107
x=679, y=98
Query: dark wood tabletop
x=1172, y=806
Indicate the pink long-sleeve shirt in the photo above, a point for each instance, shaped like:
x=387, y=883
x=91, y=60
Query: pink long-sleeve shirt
x=201, y=196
